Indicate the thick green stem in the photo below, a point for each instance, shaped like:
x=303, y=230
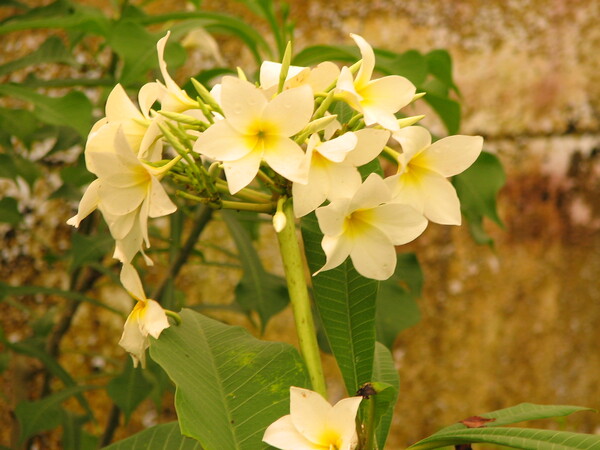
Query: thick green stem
x=370, y=424
x=296, y=282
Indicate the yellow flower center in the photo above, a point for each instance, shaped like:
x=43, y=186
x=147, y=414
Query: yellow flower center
x=330, y=440
x=357, y=222
x=261, y=134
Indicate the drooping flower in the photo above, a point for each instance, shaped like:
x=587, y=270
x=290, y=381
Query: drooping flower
x=255, y=129
x=366, y=227
x=313, y=424
x=378, y=99
x=147, y=318
x=423, y=168
x=332, y=166
x=127, y=190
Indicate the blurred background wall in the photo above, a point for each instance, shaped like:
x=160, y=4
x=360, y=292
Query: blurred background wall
x=518, y=321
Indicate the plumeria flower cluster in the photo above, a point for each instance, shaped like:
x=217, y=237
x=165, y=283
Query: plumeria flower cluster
x=255, y=146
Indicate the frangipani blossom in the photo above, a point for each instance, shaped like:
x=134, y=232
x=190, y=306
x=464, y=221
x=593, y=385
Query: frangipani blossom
x=378, y=99
x=366, y=227
x=332, y=167
x=255, y=129
x=423, y=168
x=146, y=318
x=318, y=78
x=127, y=190
x=313, y=424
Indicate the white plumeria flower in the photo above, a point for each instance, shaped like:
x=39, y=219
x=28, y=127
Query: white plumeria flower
x=378, y=100
x=423, y=167
x=313, y=424
x=332, y=166
x=318, y=78
x=147, y=318
x=366, y=227
x=127, y=190
x=255, y=129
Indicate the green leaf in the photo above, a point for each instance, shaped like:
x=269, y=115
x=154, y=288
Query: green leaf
x=13, y=166
x=74, y=437
x=159, y=437
x=477, y=188
x=129, y=389
x=397, y=308
x=316, y=54
x=258, y=290
x=73, y=110
x=448, y=110
x=44, y=414
x=19, y=123
x=346, y=304
x=384, y=371
x=525, y=438
x=9, y=211
x=88, y=249
x=62, y=14
x=230, y=386
x=410, y=64
x=439, y=63
x=51, y=51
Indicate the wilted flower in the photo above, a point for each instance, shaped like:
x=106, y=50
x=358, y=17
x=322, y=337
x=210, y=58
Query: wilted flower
x=313, y=424
x=423, y=167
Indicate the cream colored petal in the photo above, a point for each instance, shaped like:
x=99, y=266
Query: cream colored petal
x=332, y=217
x=122, y=200
x=269, y=73
x=286, y=158
x=373, y=254
x=401, y=223
x=131, y=281
x=341, y=418
x=309, y=196
x=241, y=172
x=368, y=61
x=386, y=95
x=89, y=202
x=132, y=339
x=336, y=250
x=160, y=47
x=160, y=203
x=283, y=435
x=309, y=412
x=338, y=149
x=406, y=189
x=119, y=226
x=129, y=246
x=222, y=142
x=153, y=319
x=290, y=111
x=322, y=76
x=370, y=143
x=373, y=192
x=242, y=103
x=345, y=89
x=413, y=140
x=148, y=95
x=441, y=204
x=152, y=145
x=119, y=106
x=344, y=181
x=451, y=155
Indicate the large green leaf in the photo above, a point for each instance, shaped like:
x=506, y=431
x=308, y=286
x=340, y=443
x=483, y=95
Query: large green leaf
x=346, y=304
x=51, y=51
x=73, y=109
x=384, y=371
x=525, y=438
x=159, y=437
x=258, y=290
x=448, y=109
x=397, y=308
x=9, y=211
x=44, y=414
x=129, y=389
x=477, y=187
x=230, y=386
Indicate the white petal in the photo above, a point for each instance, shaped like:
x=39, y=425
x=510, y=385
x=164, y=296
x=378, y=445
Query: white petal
x=373, y=192
x=337, y=149
x=160, y=203
x=283, y=435
x=286, y=158
x=451, y=155
x=441, y=202
x=122, y=200
x=129, y=246
x=370, y=143
x=345, y=89
x=290, y=111
x=270, y=71
x=373, y=254
x=309, y=412
x=322, y=76
x=242, y=103
x=130, y=280
x=368, y=61
x=121, y=225
x=241, y=172
x=336, y=250
x=331, y=217
x=223, y=143
x=342, y=419
x=406, y=189
x=344, y=181
x=153, y=319
x=148, y=95
x=132, y=339
x=120, y=107
x=88, y=203
x=309, y=196
x=401, y=223
x=160, y=47
x=386, y=95
x=413, y=141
